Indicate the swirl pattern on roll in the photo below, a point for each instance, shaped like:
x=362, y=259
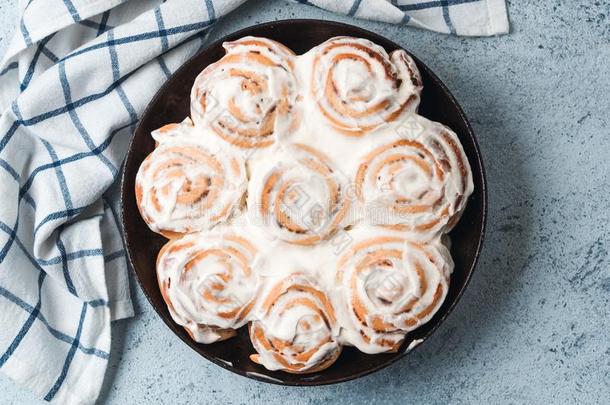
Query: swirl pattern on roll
x=208, y=283
x=300, y=199
x=419, y=182
x=248, y=98
x=183, y=187
x=358, y=87
x=390, y=286
x=297, y=328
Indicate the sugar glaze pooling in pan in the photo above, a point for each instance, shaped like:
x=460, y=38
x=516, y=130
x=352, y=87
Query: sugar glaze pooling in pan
x=349, y=192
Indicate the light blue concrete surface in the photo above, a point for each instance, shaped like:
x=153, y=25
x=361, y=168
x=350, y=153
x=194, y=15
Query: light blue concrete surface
x=534, y=324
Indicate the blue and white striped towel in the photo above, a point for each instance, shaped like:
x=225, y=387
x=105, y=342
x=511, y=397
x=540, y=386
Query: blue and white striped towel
x=73, y=83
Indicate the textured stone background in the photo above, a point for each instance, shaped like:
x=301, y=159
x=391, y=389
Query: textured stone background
x=534, y=324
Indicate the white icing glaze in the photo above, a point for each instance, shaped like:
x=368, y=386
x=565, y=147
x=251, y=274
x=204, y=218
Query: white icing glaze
x=340, y=168
x=414, y=344
x=387, y=286
x=184, y=186
x=295, y=327
x=417, y=177
x=248, y=98
x=174, y=132
x=209, y=282
x=297, y=197
x=359, y=88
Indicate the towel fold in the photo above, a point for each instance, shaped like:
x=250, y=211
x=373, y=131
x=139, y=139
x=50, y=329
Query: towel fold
x=74, y=81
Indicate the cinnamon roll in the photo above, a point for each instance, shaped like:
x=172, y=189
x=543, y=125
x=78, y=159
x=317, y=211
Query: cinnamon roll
x=300, y=198
x=297, y=328
x=358, y=87
x=418, y=182
x=184, y=187
x=389, y=286
x=248, y=98
x=208, y=283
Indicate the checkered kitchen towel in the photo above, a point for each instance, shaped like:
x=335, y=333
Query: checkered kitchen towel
x=74, y=81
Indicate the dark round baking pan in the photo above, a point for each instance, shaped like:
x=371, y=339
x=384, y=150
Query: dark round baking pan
x=171, y=104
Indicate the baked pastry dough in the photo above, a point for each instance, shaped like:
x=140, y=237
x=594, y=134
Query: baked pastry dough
x=183, y=186
x=358, y=87
x=306, y=199
x=248, y=98
x=298, y=197
x=208, y=283
x=421, y=179
x=388, y=286
x=297, y=329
